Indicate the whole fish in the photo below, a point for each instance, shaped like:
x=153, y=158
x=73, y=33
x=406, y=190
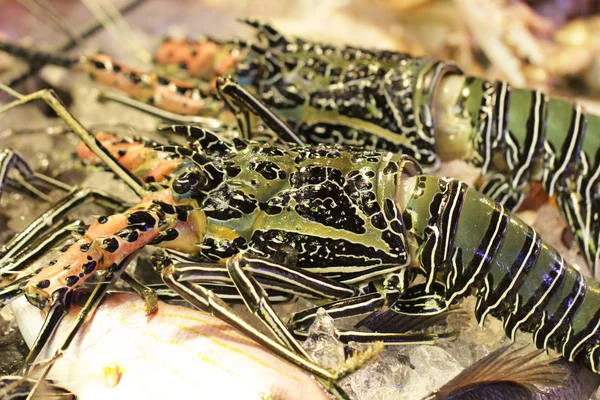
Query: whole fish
x=179, y=352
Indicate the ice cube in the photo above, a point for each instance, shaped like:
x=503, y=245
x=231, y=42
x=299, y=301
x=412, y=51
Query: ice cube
x=322, y=342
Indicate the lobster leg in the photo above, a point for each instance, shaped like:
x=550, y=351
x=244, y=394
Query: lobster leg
x=207, y=301
x=148, y=294
x=18, y=184
x=19, y=387
x=270, y=275
x=50, y=98
x=91, y=304
x=55, y=316
x=10, y=158
x=10, y=292
x=206, y=122
x=242, y=102
x=257, y=302
x=76, y=198
x=581, y=216
x=60, y=307
x=301, y=321
x=227, y=293
x=216, y=278
x=37, y=249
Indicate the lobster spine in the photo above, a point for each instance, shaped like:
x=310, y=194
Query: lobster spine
x=518, y=278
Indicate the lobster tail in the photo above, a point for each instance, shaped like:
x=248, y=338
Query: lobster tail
x=518, y=278
x=521, y=135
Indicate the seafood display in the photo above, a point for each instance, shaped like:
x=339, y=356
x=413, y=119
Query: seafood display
x=336, y=206
x=516, y=136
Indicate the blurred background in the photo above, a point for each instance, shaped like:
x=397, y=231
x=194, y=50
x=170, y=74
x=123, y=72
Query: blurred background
x=550, y=44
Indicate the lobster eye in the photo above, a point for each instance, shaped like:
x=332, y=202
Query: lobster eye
x=188, y=183
x=248, y=72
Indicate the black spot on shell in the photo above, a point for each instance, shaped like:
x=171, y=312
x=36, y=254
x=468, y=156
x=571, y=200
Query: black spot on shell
x=90, y=267
x=141, y=220
x=407, y=220
x=396, y=226
x=43, y=284
x=388, y=208
x=99, y=65
x=169, y=234
x=233, y=170
x=128, y=235
x=378, y=221
x=71, y=280
x=110, y=244
x=268, y=169
x=165, y=207
x=85, y=247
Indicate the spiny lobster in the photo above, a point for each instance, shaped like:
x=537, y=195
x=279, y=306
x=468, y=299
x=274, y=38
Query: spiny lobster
x=352, y=227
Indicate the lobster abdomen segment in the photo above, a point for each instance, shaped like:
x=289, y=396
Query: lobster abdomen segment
x=517, y=277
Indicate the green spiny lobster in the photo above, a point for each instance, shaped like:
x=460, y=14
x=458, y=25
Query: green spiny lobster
x=390, y=101
x=353, y=228
x=429, y=110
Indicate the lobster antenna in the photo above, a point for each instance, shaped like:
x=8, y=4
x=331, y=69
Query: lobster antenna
x=36, y=56
x=115, y=24
x=10, y=90
x=47, y=13
x=68, y=44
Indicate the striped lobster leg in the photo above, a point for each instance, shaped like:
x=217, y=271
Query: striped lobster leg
x=285, y=346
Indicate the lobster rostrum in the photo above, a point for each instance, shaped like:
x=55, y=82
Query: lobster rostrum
x=348, y=227
x=430, y=110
